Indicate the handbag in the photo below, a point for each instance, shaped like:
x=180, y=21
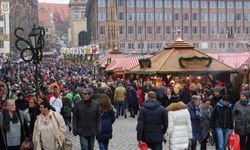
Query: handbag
x=143, y=146
x=67, y=144
x=233, y=141
x=27, y=144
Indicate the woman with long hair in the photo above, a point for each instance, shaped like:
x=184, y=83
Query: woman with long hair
x=107, y=120
x=49, y=130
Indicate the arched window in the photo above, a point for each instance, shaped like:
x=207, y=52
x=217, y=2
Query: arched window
x=83, y=38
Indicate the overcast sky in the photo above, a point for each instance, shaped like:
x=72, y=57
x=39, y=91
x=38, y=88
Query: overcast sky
x=54, y=1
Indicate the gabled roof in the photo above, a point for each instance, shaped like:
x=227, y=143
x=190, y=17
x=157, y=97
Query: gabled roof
x=167, y=61
x=113, y=54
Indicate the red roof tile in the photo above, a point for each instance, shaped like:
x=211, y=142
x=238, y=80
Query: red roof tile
x=44, y=19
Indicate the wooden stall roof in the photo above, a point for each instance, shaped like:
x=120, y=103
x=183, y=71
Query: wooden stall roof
x=113, y=54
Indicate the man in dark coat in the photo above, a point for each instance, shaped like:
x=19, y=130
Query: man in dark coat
x=86, y=120
x=152, y=123
x=184, y=94
x=21, y=103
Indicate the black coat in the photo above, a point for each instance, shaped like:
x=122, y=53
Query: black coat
x=222, y=116
x=33, y=112
x=152, y=122
x=21, y=104
x=184, y=95
x=108, y=118
x=86, y=118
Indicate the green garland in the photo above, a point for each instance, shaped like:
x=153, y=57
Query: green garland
x=210, y=59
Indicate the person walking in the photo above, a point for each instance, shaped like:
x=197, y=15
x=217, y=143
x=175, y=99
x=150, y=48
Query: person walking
x=222, y=121
x=86, y=120
x=152, y=123
x=14, y=127
x=241, y=114
x=66, y=111
x=206, y=113
x=49, y=130
x=107, y=120
x=179, y=125
x=195, y=115
x=119, y=97
x=21, y=103
x=132, y=100
x=56, y=101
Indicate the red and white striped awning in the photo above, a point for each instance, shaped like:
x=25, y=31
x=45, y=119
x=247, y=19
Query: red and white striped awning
x=125, y=63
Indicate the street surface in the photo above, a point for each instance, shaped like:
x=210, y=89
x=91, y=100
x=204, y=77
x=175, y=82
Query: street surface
x=124, y=136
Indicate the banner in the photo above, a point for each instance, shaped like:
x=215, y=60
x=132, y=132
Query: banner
x=90, y=49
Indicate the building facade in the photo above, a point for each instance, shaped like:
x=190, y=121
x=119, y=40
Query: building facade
x=149, y=25
x=5, y=28
x=78, y=23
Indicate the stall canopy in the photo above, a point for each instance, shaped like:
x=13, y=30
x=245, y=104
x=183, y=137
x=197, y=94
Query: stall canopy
x=112, y=55
x=181, y=58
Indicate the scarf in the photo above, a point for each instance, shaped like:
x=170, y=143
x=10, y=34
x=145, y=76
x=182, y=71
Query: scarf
x=244, y=102
x=7, y=119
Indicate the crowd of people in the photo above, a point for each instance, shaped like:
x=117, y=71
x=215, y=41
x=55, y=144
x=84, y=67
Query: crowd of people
x=72, y=98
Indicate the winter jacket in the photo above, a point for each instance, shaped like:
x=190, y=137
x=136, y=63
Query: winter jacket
x=66, y=109
x=195, y=116
x=222, y=116
x=132, y=98
x=21, y=104
x=179, y=126
x=152, y=122
x=86, y=118
x=119, y=94
x=107, y=120
x=184, y=95
x=206, y=114
x=241, y=115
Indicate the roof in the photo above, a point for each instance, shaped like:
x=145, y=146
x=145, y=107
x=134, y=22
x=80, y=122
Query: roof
x=44, y=19
x=113, y=54
x=167, y=61
x=60, y=11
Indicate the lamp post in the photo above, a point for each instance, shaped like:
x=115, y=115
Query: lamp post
x=31, y=50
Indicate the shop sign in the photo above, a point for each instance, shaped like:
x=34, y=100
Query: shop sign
x=195, y=62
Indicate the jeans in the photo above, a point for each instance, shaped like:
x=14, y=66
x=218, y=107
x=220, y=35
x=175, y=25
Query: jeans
x=222, y=138
x=120, y=108
x=244, y=142
x=103, y=145
x=155, y=145
x=87, y=142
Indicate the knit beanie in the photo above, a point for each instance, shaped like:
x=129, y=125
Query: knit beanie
x=245, y=93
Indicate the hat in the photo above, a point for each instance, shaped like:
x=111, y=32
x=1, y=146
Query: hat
x=88, y=90
x=245, y=93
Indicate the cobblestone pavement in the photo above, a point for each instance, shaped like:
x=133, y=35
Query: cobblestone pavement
x=124, y=136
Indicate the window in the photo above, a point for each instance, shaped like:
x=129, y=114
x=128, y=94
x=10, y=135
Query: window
x=238, y=4
x=76, y=14
x=203, y=4
x=204, y=16
x=177, y=29
x=204, y=45
x=122, y=45
x=149, y=16
x=230, y=45
x=247, y=16
x=221, y=4
x=213, y=45
x=230, y=4
x=176, y=16
x=213, y=30
x=247, y=31
x=195, y=30
x=195, y=4
x=82, y=14
x=102, y=30
x=168, y=16
x=131, y=16
x=158, y=30
x=195, y=16
x=140, y=16
x=1, y=30
x=221, y=30
x=186, y=3
x=212, y=4
x=140, y=29
x=101, y=16
x=158, y=16
x=177, y=4
x=238, y=30
x=1, y=17
x=196, y=45
x=131, y=45
x=121, y=30
x=221, y=16
x=186, y=29
x=213, y=16
x=120, y=2
x=131, y=3
x=246, y=5
x=121, y=15
x=101, y=3
x=1, y=44
x=221, y=45
x=131, y=30
x=203, y=30
x=149, y=3
x=168, y=30
x=230, y=17
x=186, y=16
x=139, y=3
x=168, y=4
x=159, y=45
x=140, y=45
x=238, y=16
x=149, y=30
x=158, y=3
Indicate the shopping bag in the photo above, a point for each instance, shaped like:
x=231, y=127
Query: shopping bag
x=233, y=141
x=143, y=146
